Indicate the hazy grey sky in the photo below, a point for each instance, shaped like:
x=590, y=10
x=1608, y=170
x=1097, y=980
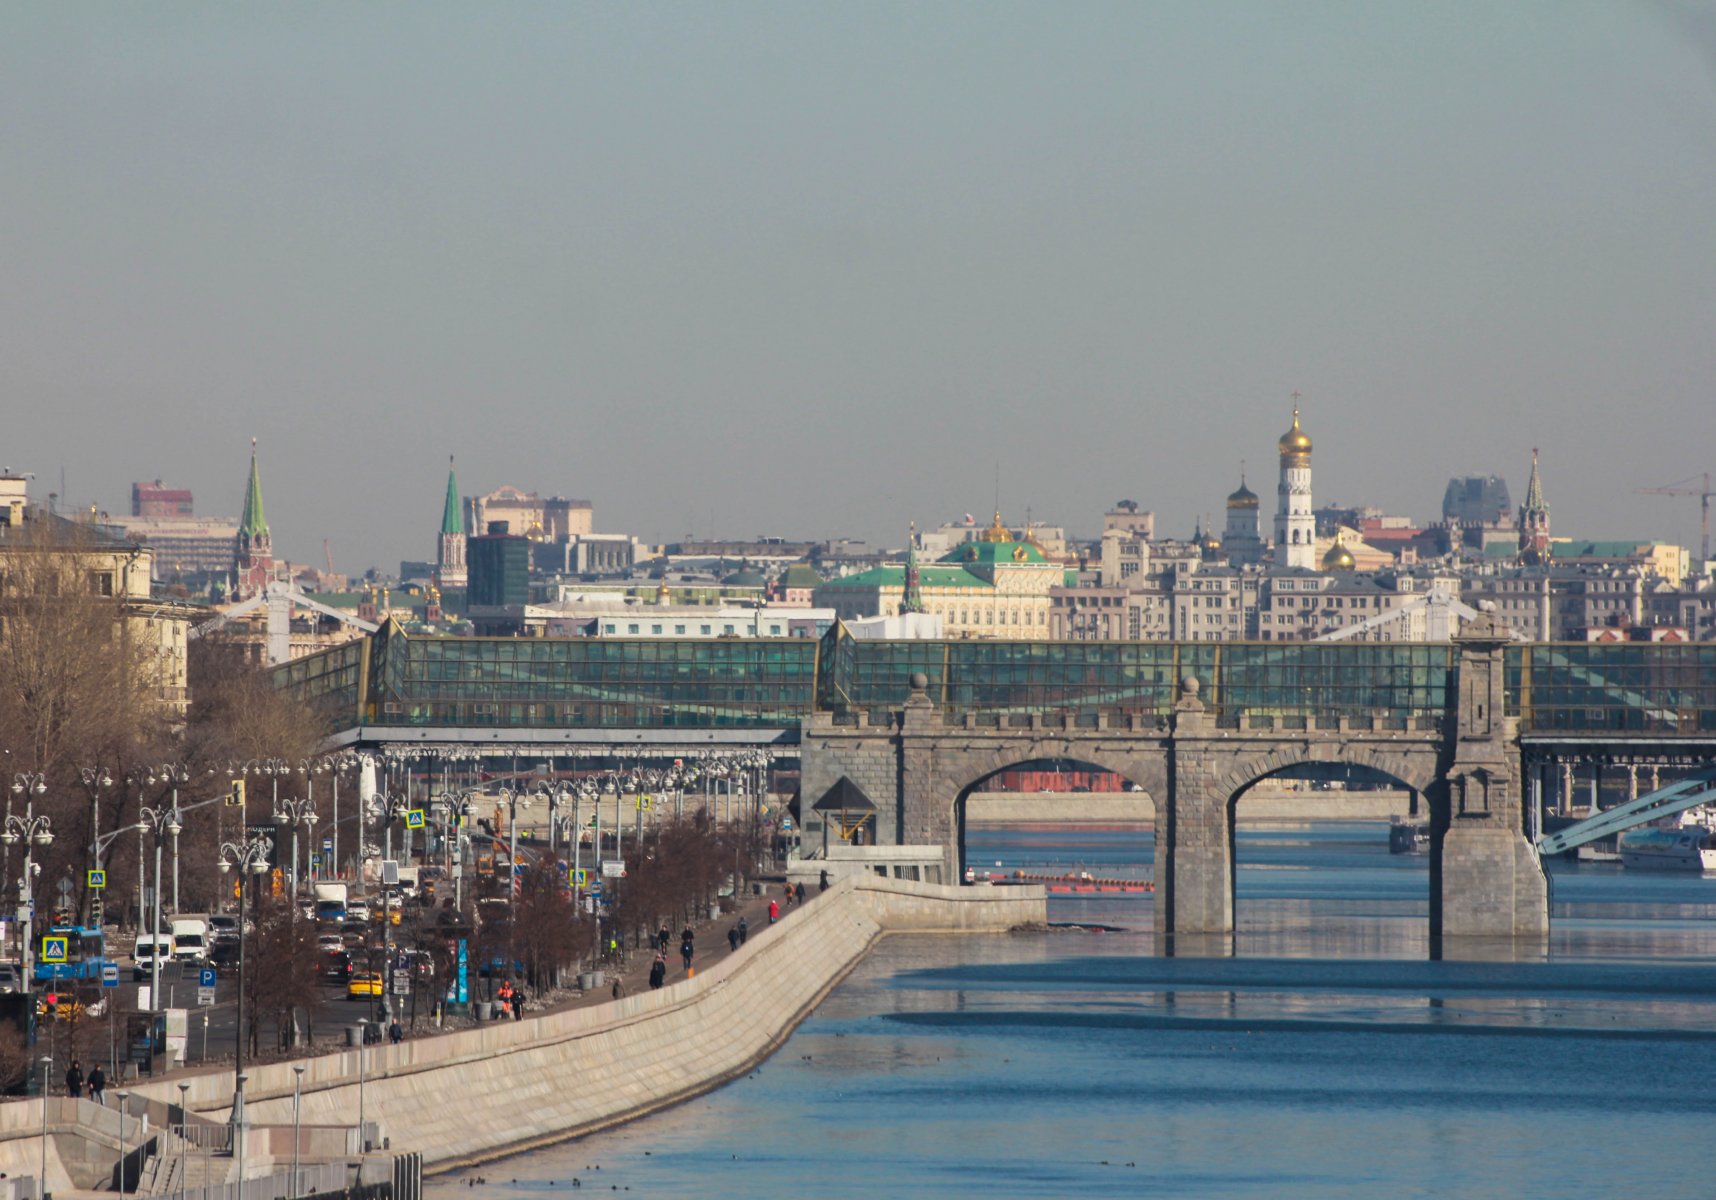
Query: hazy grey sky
x=815, y=269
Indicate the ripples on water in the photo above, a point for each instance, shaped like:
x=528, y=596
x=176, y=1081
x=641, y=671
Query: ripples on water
x=1330, y=1058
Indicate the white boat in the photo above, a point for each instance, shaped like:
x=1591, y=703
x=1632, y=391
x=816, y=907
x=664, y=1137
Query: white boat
x=1686, y=848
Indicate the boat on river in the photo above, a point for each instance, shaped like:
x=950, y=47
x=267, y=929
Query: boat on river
x=1407, y=837
x=1682, y=848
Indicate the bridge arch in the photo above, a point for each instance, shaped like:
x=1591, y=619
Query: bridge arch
x=974, y=768
x=1413, y=771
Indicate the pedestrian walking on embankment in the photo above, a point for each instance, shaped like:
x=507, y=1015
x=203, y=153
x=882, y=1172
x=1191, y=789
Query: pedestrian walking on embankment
x=685, y=948
x=774, y=911
x=798, y=892
x=733, y=938
x=744, y=930
x=658, y=971
x=97, y=1084
x=74, y=1080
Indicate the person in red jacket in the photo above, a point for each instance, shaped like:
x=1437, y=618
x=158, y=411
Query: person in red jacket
x=774, y=911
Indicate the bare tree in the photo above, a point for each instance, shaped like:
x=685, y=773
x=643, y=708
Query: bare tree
x=281, y=964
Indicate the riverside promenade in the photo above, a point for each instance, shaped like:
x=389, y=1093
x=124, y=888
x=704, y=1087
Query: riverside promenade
x=508, y=1086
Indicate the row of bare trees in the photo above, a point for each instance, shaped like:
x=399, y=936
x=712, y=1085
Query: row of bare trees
x=88, y=738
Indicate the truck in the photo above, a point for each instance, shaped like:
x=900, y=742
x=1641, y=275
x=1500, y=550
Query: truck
x=331, y=902
x=190, y=939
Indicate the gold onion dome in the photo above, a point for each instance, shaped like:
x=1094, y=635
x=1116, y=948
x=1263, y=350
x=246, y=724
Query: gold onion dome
x=1243, y=498
x=1338, y=558
x=1295, y=443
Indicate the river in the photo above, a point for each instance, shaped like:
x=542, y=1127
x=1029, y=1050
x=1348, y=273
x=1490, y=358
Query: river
x=1328, y=1058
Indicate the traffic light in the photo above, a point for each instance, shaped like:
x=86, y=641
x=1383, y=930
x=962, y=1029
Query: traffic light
x=235, y=798
x=96, y=912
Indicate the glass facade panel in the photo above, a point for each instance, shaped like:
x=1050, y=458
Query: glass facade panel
x=597, y=683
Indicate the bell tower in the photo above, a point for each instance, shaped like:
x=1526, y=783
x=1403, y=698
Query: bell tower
x=1295, y=527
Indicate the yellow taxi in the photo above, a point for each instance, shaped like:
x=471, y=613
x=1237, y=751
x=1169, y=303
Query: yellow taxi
x=363, y=983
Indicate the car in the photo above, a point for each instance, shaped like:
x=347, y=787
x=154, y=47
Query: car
x=10, y=980
x=223, y=928
x=337, y=967
x=363, y=983
x=330, y=942
x=357, y=910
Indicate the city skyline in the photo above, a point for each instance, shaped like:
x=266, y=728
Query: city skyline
x=845, y=265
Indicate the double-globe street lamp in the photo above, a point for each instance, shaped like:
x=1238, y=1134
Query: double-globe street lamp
x=166, y=822
x=165, y=775
x=295, y=813
x=249, y=857
x=33, y=831
x=29, y=784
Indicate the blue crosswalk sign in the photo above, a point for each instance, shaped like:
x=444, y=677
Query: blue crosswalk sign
x=54, y=949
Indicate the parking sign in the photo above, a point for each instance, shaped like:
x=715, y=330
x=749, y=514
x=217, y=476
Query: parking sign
x=206, y=977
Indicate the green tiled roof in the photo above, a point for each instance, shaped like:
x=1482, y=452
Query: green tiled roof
x=895, y=577
x=1598, y=549
x=801, y=575
x=452, y=520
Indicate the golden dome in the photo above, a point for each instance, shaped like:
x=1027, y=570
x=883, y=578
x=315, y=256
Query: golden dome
x=1295, y=443
x=1243, y=498
x=997, y=532
x=1338, y=558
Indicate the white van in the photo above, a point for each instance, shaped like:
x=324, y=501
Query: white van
x=147, y=949
x=190, y=939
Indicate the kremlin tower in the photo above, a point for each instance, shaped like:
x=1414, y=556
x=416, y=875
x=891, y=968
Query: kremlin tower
x=1534, y=520
x=1242, y=542
x=450, y=549
x=255, y=547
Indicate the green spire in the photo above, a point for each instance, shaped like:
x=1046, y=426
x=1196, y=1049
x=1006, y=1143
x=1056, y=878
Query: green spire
x=1534, y=489
x=912, y=601
x=451, y=519
x=253, y=523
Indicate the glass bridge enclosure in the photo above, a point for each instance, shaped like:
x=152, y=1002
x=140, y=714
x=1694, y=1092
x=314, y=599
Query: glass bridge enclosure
x=391, y=678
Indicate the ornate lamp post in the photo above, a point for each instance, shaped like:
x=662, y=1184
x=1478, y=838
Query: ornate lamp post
x=295, y=813
x=250, y=858
x=34, y=831
x=95, y=780
x=165, y=822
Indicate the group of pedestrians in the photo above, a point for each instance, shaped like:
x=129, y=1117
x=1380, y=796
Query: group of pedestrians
x=510, y=999
x=96, y=1084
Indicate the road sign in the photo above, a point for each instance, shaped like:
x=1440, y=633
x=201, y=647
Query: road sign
x=644, y=803
x=580, y=876
x=54, y=949
x=97, y=880
x=206, y=977
x=109, y=975
x=402, y=983
x=328, y=845
x=613, y=868
x=315, y=860
x=414, y=818
x=205, y=997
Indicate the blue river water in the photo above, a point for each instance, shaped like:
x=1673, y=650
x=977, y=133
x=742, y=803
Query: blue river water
x=1328, y=1056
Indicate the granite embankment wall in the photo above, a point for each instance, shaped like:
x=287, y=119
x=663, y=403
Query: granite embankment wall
x=507, y=1086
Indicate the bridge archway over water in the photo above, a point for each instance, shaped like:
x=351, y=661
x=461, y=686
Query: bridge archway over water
x=1015, y=789
x=1330, y=817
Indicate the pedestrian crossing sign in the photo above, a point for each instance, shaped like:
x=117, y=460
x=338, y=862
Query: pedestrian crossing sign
x=414, y=818
x=54, y=949
x=579, y=875
x=644, y=803
x=97, y=880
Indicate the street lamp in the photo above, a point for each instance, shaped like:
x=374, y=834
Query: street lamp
x=251, y=858
x=33, y=831
x=24, y=783
x=169, y=775
x=184, y=1139
x=124, y=1149
x=165, y=822
x=95, y=780
x=295, y=813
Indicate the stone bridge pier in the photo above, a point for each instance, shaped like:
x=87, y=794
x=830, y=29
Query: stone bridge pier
x=1485, y=878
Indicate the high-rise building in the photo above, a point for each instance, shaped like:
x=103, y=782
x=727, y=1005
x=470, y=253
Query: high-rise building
x=1534, y=520
x=450, y=549
x=255, y=546
x=1295, y=525
x=158, y=500
x=499, y=568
